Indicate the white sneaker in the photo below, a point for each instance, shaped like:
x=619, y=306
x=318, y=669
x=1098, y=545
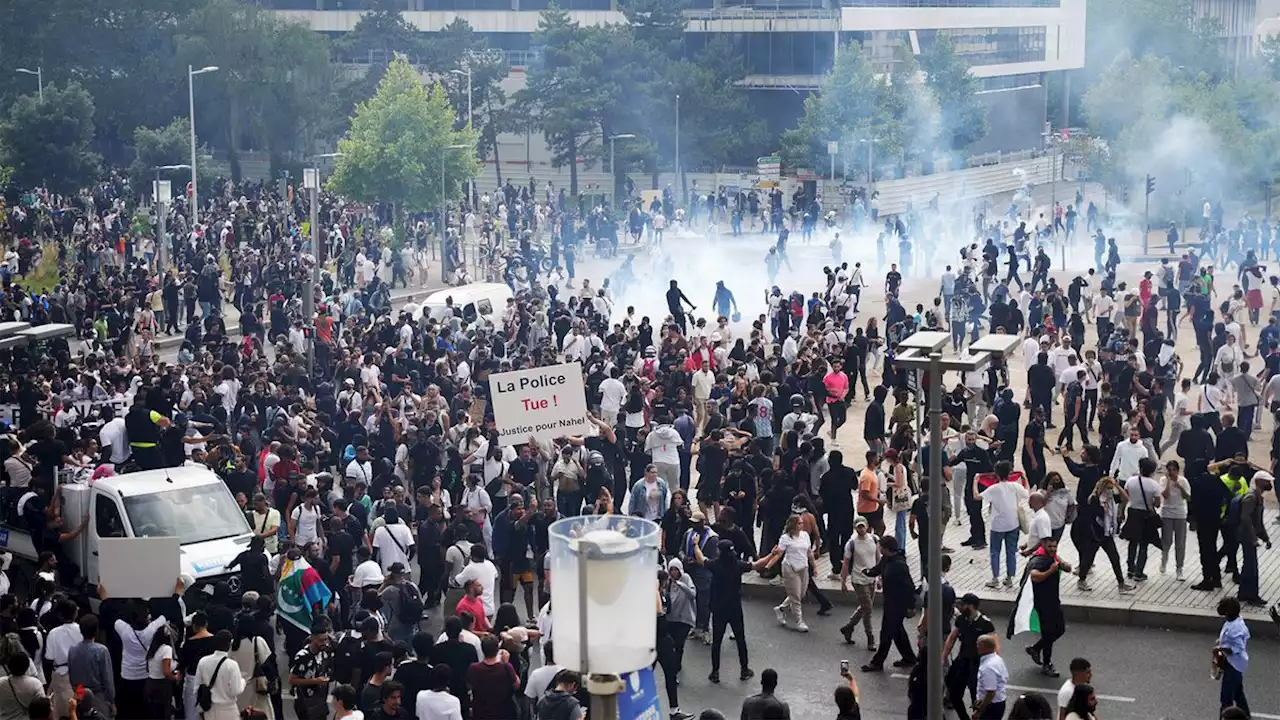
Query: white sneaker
x=993, y=583
x=1181, y=577
x=780, y=616
x=802, y=628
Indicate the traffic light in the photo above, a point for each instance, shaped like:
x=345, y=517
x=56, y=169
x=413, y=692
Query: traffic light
x=1151, y=184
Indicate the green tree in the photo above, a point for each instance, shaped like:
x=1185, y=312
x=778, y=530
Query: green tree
x=449, y=54
x=273, y=83
x=396, y=143
x=560, y=98
x=50, y=143
x=855, y=105
x=718, y=124
x=962, y=118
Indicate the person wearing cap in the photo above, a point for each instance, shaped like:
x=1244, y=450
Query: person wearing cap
x=699, y=549
x=899, y=600
x=861, y=553
x=309, y=674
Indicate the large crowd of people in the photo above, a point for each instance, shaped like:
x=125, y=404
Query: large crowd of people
x=380, y=467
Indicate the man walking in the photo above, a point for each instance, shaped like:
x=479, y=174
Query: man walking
x=993, y=679
x=899, y=600
x=1045, y=570
x=970, y=625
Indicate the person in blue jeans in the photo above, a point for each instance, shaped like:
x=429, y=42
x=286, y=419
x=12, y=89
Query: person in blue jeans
x=1005, y=497
x=1232, y=655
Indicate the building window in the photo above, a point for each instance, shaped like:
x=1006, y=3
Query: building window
x=951, y=3
x=993, y=46
x=1010, y=82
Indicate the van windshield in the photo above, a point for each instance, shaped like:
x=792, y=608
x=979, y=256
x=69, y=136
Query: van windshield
x=194, y=514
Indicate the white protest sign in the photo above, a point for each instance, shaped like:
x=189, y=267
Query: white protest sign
x=143, y=567
x=543, y=403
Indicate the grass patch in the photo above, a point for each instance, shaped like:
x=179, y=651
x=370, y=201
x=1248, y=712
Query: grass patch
x=45, y=276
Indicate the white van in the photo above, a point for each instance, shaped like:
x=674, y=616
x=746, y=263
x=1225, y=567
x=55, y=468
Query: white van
x=484, y=303
x=189, y=502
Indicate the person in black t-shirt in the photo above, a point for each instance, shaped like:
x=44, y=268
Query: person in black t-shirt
x=970, y=624
x=1046, y=569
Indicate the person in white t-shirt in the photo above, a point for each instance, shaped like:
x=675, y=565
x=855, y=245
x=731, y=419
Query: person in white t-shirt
x=393, y=541
x=612, y=395
x=1041, y=525
x=1081, y=674
x=482, y=570
x=1004, y=497
x=305, y=523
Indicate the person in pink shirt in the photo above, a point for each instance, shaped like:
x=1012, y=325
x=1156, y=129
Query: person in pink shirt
x=837, y=384
x=472, y=602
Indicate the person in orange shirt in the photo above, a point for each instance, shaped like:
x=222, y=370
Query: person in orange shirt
x=869, y=505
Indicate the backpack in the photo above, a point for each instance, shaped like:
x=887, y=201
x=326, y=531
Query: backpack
x=411, y=606
x=1233, y=512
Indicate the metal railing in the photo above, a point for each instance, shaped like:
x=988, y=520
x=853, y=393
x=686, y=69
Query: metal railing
x=761, y=13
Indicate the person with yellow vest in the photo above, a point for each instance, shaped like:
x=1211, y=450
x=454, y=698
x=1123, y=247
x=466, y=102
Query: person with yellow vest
x=1235, y=476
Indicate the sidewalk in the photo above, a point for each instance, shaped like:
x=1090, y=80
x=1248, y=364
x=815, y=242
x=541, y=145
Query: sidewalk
x=1161, y=601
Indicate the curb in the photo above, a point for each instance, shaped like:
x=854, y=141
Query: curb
x=1131, y=614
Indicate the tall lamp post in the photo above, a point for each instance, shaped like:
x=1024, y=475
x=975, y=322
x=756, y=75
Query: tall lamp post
x=39, y=73
x=444, y=225
x=163, y=193
x=871, y=164
x=613, y=166
x=311, y=183
x=923, y=352
x=679, y=185
x=467, y=73
x=191, y=106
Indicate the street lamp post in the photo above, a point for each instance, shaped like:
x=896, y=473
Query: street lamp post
x=39, y=73
x=871, y=175
x=613, y=166
x=679, y=185
x=311, y=182
x=444, y=225
x=162, y=193
x=191, y=106
x=466, y=72
x=923, y=352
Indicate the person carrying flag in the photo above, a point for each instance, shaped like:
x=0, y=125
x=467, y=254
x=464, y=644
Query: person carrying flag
x=1039, y=607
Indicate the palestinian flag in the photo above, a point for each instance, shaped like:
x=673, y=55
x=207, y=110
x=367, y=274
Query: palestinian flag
x=300, y=589
x=986, y=480
x=1025, y=618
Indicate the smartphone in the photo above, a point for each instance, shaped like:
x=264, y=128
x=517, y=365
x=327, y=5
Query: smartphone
x=844, y=667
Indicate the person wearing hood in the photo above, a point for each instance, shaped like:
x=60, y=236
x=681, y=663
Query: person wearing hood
x=723, y=300
x=560, y=701
x=663, y=444
x=680, y=598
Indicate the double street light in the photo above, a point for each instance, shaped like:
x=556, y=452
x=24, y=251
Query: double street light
x=39, y=73
x=923, y=352
x=162, y=192
x=191, y=102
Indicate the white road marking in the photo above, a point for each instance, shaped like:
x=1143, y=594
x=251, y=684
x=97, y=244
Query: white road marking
x=1053, y=692
x=1264, y=716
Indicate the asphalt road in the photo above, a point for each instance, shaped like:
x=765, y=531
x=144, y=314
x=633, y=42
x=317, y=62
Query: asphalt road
x=1139, y=673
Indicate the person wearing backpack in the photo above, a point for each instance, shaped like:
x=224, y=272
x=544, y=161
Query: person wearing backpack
x=219, y=682
x=404, y=600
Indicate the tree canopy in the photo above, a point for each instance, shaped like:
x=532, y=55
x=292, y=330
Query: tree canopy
x=49, y=142
x=397, y=142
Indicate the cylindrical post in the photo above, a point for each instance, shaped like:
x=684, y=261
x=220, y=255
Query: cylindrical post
x=679, y=185
x=443, y=225
x=161, y=239
x=613, y=169
x=936, y=489
x=191, y=107
x=1053, y=186
x=309, y=294
x=40, y=83
x=469, y=111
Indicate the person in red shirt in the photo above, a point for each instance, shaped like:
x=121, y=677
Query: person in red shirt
x=472, y=603
x=837, y=385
